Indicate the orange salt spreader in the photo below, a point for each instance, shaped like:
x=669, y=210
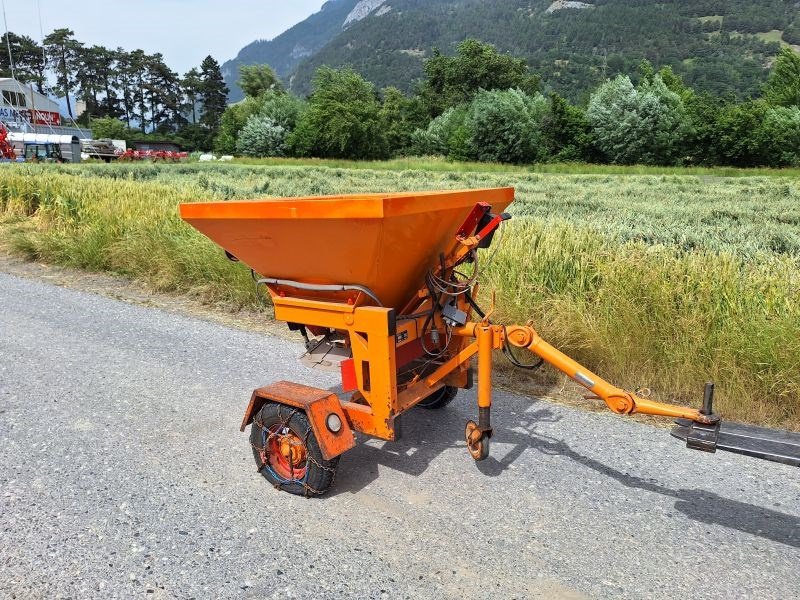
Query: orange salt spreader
x=382, y=289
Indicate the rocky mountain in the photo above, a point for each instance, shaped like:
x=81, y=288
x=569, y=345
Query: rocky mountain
x=286, y=51
x=721, y=46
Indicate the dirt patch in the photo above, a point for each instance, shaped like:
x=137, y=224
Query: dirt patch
x=135, y=292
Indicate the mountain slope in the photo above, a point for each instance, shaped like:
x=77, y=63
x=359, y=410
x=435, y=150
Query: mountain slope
x=284, y=52
x=720, y=46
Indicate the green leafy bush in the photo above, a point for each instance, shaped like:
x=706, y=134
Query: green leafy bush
x=631, y=125
x=342, y=119
x=261, y=136
x=505, y=126
x=446, y=135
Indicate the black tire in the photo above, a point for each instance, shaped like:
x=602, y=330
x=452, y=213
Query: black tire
x=439, y=398
x=319, y=473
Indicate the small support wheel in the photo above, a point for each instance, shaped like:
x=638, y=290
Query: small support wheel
x=287, y=453
x=477, y=441
x=440, y=398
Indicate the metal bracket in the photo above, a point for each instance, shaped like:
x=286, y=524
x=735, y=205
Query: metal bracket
x=318, y=406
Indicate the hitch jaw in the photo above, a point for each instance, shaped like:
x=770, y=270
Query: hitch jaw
x=701, y=436
x=698, y=436
x=757, y=442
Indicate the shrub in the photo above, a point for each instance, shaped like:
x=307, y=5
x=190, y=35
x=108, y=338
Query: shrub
x=445, y=135
x=505, y=126
x=739, y=139
x=233, y=119
x=632, y=125
x=261, y=136
x=565, y=131
x=777, y=138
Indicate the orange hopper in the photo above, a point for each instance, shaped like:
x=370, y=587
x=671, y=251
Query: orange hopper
x=384, y=242
x=382, y=289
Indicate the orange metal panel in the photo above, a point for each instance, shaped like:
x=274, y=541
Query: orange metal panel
x=317, y=404
x=344, y=239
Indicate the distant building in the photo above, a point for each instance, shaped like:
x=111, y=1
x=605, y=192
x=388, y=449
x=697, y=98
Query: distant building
x=156, y=146
x=24, y=110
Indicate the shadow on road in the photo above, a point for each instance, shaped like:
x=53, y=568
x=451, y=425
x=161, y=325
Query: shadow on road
x=427, y=434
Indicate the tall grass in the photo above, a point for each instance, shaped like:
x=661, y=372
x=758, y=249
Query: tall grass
x=438, y=164
x=661, y=281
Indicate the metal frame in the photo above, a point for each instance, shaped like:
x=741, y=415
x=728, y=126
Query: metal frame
x=378, y=336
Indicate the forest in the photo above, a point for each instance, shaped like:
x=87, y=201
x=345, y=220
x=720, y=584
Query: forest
x=133, y=93
x=483, y=105
x=479, y=104
x=717, y=46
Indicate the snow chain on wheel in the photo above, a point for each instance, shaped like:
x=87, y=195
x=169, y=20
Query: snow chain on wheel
x=287, y=453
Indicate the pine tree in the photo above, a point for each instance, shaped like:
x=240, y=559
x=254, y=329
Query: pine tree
x=63, y=49
x=214, y=94
x=192, y=89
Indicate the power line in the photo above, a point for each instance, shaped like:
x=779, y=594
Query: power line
x=8, y=42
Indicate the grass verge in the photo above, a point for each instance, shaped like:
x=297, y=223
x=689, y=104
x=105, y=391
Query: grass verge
x=587, y=258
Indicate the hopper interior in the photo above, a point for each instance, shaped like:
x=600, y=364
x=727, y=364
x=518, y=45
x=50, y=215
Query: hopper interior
x=386, y=242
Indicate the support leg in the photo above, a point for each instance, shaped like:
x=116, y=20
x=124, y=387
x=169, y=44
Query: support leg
x=478, y=434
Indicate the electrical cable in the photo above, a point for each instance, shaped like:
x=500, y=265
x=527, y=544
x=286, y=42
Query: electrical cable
x=509, y=354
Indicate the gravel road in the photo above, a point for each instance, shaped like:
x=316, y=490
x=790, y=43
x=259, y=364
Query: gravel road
x=123, y=473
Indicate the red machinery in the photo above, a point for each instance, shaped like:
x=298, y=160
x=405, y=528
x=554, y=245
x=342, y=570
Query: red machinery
x=154, y=155
x=6, y=149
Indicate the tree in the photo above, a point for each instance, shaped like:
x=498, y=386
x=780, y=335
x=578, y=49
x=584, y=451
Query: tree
x=257, y=79
x=261, y=136
x=565, y=131
x=452, y=80
x=399, y=117
x=29, y=60
x=675, y=83
x=214, y=94
x=637, y=126
x=108, y=128
x=93, y=66
x=126, y=79
x=136, y=78
x=106, y=64
x=505, y=126
x=165, y=98
x=783, y=85
x=342, y=119
x=192, y=86
x=63, y=49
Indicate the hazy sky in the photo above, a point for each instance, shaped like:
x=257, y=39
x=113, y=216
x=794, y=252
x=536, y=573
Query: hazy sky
x=184, y=31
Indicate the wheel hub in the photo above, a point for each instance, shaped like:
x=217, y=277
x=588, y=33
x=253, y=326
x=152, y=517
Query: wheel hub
x=286, y=454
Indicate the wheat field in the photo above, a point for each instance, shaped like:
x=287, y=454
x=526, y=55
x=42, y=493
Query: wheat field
x=661, y=281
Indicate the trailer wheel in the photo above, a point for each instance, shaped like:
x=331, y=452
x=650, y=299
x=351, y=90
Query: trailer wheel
x=439, y=398
x=287, y=453
x=477, y=442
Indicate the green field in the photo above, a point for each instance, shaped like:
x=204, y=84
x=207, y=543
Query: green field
x=653, y=280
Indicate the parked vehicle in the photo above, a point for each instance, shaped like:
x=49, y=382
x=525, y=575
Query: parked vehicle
x=43, y=153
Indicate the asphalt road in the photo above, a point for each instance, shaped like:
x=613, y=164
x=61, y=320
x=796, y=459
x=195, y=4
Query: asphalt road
x=123, y=472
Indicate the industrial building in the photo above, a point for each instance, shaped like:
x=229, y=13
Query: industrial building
x=26, y=111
